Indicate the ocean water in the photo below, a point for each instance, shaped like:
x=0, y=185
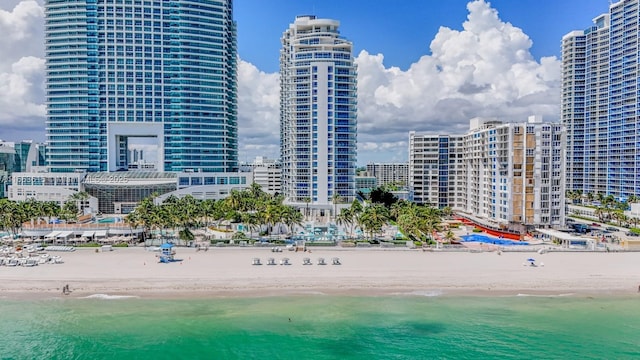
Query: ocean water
x=407, y=326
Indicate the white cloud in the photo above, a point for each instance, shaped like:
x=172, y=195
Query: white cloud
x=258, y=113
x=484, y=69
x=22, y=107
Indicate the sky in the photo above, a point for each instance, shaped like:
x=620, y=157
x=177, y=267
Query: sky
x=423, y=65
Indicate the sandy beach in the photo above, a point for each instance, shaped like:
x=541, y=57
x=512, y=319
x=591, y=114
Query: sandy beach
x=230, y=272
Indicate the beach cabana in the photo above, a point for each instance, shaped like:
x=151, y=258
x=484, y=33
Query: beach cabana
x=63, y=236
x=88, y=235
x=100, y=235
x=52, y=236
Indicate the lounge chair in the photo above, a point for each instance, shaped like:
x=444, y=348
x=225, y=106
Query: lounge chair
x=285, y=261
x=306, y=261
x=271, y=261
x=335, y=261
x=321, y=261
x=256, y=261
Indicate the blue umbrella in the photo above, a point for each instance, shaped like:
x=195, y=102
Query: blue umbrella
x=531, y=259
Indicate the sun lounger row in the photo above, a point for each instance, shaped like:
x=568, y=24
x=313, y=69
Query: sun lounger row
x=60, y=248
x=30, y=261
x=305, y=261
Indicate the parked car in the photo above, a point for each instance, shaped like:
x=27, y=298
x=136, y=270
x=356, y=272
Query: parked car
x=595, y=224
x=611, y=228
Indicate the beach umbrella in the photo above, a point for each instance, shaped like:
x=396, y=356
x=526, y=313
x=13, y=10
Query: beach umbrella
x=531, y=259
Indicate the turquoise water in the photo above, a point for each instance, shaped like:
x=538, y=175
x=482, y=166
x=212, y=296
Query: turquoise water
x=108, y=220
x=323, y=327
x=491, y=240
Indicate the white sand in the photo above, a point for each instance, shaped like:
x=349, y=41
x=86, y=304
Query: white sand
x=229, y=272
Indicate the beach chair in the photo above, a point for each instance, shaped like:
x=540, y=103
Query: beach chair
x=285, y=261
x=321, y=261
x=306, y=261
x=271, y=261
x=335, y=261
x=256, y=261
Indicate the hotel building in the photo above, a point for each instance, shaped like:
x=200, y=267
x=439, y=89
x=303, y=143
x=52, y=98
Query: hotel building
x=389, y=173
x=318, y=106
x=600, y=103
x=117, y=70
x=503, y=175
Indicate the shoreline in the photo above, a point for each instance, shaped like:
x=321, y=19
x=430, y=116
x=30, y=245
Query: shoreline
x=229, y=273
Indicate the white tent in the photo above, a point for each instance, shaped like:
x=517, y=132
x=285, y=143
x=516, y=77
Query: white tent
x=52, y=235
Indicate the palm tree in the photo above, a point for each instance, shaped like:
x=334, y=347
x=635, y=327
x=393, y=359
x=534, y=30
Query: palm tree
x=335, y=199
x=80, y=198
x=599, y=213
x=373, y=218
x=345, y=217
x=307, y=200
x=291, y=217
x=590, y=197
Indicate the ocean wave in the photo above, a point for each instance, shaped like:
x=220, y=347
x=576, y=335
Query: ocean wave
x=544, y=295
x=109, y=297
x=425, y=293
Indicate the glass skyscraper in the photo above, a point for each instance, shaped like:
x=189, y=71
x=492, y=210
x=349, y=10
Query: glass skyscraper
x=318, y=107
x=123, y=69
x=601, y=103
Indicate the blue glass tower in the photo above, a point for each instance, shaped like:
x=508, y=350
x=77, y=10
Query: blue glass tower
x=121, y=69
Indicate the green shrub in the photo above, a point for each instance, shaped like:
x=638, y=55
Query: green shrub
x=88, y=245
x=477, y=230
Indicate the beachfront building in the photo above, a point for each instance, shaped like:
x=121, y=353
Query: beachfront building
x=123, y=74
x=120, y=192
x=434, y=169
x=7, y=164
x=600, y=103
x=267, y=173
x=17, y=157
x=318, y=106
x=502, y=175
x=125, y=71
x=389, y=173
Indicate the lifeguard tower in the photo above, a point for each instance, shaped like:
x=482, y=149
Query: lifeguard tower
x=167, y=254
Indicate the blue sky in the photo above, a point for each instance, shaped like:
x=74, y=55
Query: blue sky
x=425, y=66
x=403, y=29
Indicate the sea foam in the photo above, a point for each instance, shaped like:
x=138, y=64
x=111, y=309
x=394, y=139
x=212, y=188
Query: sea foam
x=544, y=295
x=109, y=297
x=425, y=293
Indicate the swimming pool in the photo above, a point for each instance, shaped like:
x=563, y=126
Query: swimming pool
x=490, y=240
x=109, y=220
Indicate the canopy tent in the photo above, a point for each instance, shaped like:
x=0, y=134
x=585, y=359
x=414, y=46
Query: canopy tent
x=101, y=233
x=52, y=235
x=88, y=234
x=64, y=234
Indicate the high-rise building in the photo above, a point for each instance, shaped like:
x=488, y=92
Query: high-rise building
x=117, y=70
x=434, y=162
x=600, y=103
x=503, y=175
x=389, y=173
x=318, y=105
